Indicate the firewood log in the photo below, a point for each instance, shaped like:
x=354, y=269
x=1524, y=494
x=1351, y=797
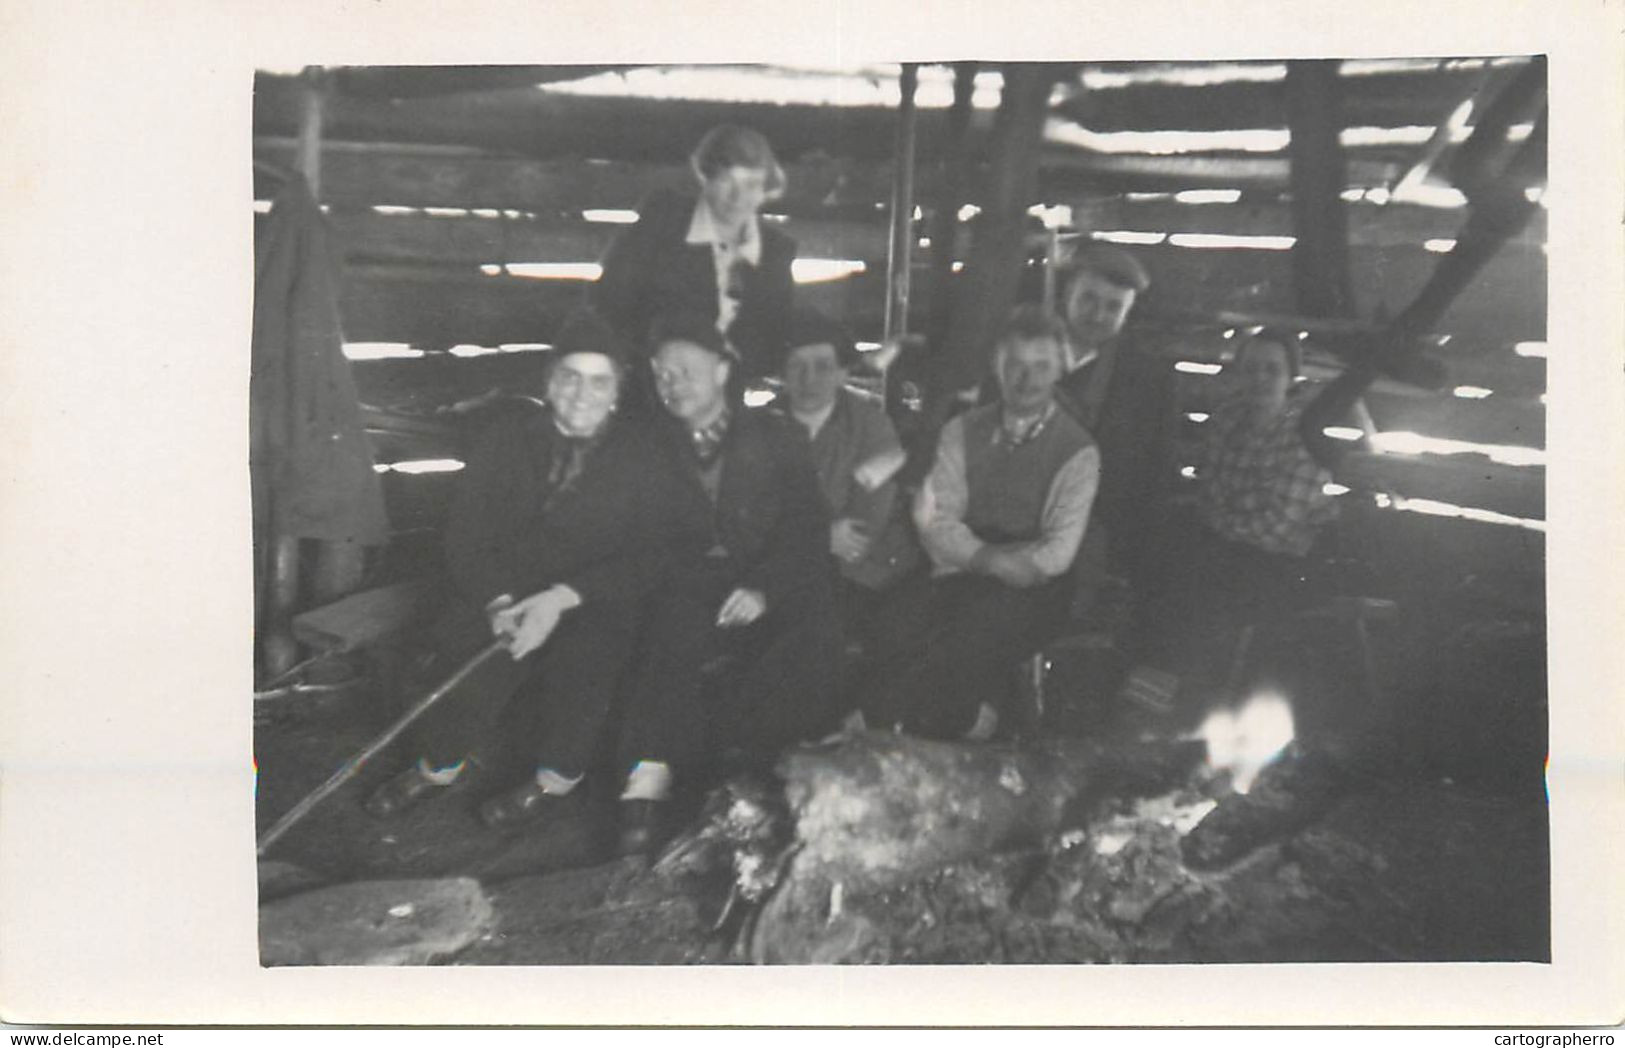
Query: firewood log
x=878, y=809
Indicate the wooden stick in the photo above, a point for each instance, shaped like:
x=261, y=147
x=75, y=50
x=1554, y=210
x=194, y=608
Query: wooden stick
x=353, y=767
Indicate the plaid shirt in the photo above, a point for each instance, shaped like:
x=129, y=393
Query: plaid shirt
x=1260, y=485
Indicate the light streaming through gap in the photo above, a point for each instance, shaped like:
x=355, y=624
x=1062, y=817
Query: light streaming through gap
x=1404, y=442
x=417, y=466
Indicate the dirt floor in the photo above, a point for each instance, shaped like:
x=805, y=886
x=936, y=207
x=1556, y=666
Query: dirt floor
x=1343, y=850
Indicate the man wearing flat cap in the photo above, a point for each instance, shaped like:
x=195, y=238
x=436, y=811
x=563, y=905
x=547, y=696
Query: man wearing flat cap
x=1122, y=392
x=740, y=643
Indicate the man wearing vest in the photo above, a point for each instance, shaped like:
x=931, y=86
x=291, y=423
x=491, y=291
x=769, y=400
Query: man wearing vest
x=1001, y=516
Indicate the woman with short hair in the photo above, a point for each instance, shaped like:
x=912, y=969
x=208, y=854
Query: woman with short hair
x=705, y=251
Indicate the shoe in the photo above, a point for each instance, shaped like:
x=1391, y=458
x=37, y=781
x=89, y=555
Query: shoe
x=404, y=791
x=644, y=827
x=523, y=805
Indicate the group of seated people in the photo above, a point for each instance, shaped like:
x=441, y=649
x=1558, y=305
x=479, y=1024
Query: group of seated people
x=683, y=580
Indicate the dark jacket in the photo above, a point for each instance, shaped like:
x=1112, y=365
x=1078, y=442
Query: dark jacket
x=650, y=270
x=513, y=531
x=1126, y=400
x=769, y=519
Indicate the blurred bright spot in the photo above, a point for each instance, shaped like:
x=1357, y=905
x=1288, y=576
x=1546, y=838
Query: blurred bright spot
x=1204, y=75
x=1188, y=472
x=262, y=207
x=1168, y=143
x=814, y=270
x=618, y=215
x=756, y=398
x=492, y=269
x=1472, y=392
x=524, y=347
x=1127, y=236
x=1430, y=194
x=380, y=351
x=1229, y=333
x=1484, y=516
x=415, y=466
x=1196, y=367
x=446, y=212
x=394, y=209
x=469, y=350
x=486, y=212
x=874, y=86
x=1530, y=349
x=1243, y=742
x=1197, y=416
x=1208, y=196
x=1333, y=488
x=968, y=212
x=1259, y=242
x=554, y=270
x=1404, y=442
x=1439, y=245
x=1054, y=216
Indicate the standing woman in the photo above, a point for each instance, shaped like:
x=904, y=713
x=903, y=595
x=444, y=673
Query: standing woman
x=705, y=251
x=552, y=546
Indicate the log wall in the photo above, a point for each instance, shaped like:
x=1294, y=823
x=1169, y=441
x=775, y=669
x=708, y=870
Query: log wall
x=510, y=173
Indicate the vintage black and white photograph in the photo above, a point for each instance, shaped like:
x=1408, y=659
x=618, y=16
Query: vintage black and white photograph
x=967, y=512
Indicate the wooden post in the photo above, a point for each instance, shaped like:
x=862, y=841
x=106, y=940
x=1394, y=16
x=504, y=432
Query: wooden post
x=945, y=219
x=339, y=565
x=1318, y=178
x=900, y=252
x=993, y=271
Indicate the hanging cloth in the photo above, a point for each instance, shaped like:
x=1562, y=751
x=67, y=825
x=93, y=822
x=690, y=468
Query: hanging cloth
x=310, y=461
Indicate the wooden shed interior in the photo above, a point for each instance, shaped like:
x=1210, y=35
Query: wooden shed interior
x=471, y=205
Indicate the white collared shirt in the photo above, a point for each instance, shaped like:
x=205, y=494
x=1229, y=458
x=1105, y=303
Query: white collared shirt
x=702, y=229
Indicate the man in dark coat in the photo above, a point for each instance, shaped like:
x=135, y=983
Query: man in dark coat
x=552, y=546
x=1123, y=393
x=708, y=254
x=740, y=645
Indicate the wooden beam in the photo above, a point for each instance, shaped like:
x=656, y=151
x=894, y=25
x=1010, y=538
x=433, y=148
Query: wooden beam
x=432, y=306
x=533, y=123
x=1370, y=225
x=1505, y=303
x=1071, y=170
x=1458, y=480
x=954, y=173
x=370, y=237
x=1320, y=253
x=435, y=308
x=432, y=81
x=1376, y=100
x=415, y=176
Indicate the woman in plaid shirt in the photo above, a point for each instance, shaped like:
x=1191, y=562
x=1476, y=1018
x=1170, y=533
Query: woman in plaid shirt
x=1261, y=504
